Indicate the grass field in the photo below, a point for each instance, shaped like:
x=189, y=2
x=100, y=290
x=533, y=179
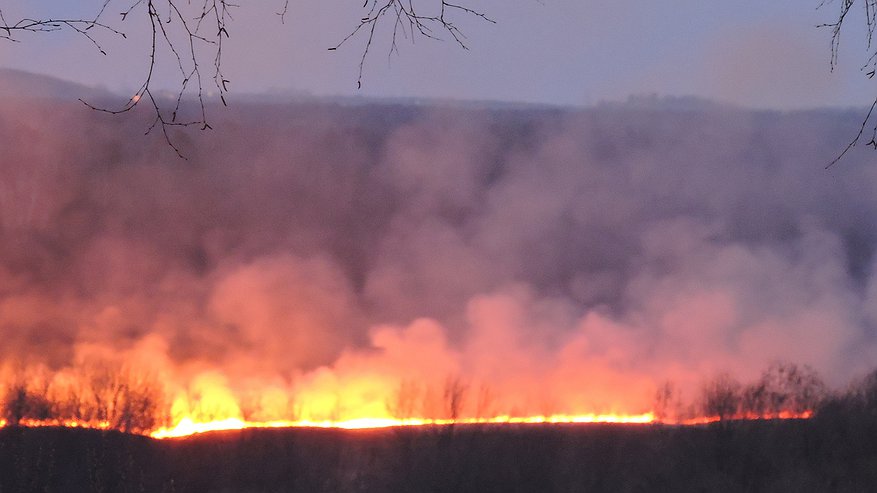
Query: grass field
x=822, y=454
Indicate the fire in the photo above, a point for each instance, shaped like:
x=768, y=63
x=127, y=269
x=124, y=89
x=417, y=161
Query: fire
x=63, y=423
x=362, y=390
x=364, y=402
x=187, y=427
x=102, y=397
x=704, y=420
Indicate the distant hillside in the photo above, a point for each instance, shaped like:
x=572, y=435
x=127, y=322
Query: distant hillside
x=17, y=84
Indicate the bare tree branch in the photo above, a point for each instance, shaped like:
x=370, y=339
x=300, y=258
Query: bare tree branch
x=180, y=35
x=283, y=12
x=184, y=34
x=403, y=13
x=870, y=66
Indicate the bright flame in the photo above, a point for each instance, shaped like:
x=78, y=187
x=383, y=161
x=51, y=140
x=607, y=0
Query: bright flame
x=362, y=401
x=187, y=427
x=360, y=391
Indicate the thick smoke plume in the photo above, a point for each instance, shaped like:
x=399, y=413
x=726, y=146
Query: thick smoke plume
x=329, y=260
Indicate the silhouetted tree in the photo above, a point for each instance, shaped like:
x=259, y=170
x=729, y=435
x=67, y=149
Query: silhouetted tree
x=784, y=387
x=404, y=402
x=720, y=397
x=110, y=394
x=454, y=395
x=665, y=399
x=22, y=402
x=859, y=401
x=484, y=402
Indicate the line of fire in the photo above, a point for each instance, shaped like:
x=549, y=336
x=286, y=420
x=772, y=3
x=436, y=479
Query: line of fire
x=97, y=395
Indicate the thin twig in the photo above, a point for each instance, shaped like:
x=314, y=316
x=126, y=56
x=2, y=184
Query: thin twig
x=187, y=30
x=402, y=12
x=870, y=66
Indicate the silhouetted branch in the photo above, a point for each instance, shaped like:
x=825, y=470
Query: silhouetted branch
x=872, y=142
x=182, y=31
x=283, y=12
x=80, y=26
x=408, y=22
x=870, y=66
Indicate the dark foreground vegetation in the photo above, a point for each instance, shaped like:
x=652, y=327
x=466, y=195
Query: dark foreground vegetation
x=835, y=451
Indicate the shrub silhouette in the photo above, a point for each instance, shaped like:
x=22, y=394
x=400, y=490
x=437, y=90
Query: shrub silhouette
x=21, y=403
x=98, y=393
x=720, y=397
x=784, y=387
x=403, y=404
x=126, y=400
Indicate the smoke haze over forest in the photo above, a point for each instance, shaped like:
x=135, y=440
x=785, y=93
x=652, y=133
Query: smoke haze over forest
x=568, y=259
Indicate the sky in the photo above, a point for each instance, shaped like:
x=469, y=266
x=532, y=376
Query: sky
x=560, y=52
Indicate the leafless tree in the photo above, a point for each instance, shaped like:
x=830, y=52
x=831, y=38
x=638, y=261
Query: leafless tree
x=111, y=394
x=187, y=34
x=867, y=391
x=484, y=402
x=187, y=31
x=403, y=403
x=720, y=397
x=870, y=67
x=784, y=387
x=408, y=22
x=24, y=395
x=666, y=396
x=23, y=401
x=454, y=394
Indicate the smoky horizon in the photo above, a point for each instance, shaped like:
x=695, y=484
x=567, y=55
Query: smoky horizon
x=568, y=260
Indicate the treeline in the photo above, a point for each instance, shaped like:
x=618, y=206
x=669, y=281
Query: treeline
x=784, y=390
x=788, y=390
x=101, y=394
x=96, y=394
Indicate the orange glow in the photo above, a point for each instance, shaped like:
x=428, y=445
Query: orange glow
x=187, y=427
x=354, y=395
x=360, y=390
x=703, y=420
x=354, y=402
x=64, y=423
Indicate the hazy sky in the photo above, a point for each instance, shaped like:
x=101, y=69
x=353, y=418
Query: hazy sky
x=752, y=52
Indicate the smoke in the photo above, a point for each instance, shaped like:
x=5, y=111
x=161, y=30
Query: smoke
x=313, y=258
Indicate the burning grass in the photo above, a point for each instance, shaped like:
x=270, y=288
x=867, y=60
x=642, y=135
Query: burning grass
x=735, y=450
x=100, y=396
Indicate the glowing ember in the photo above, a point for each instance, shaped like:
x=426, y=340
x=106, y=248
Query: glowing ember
x=187, y=427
